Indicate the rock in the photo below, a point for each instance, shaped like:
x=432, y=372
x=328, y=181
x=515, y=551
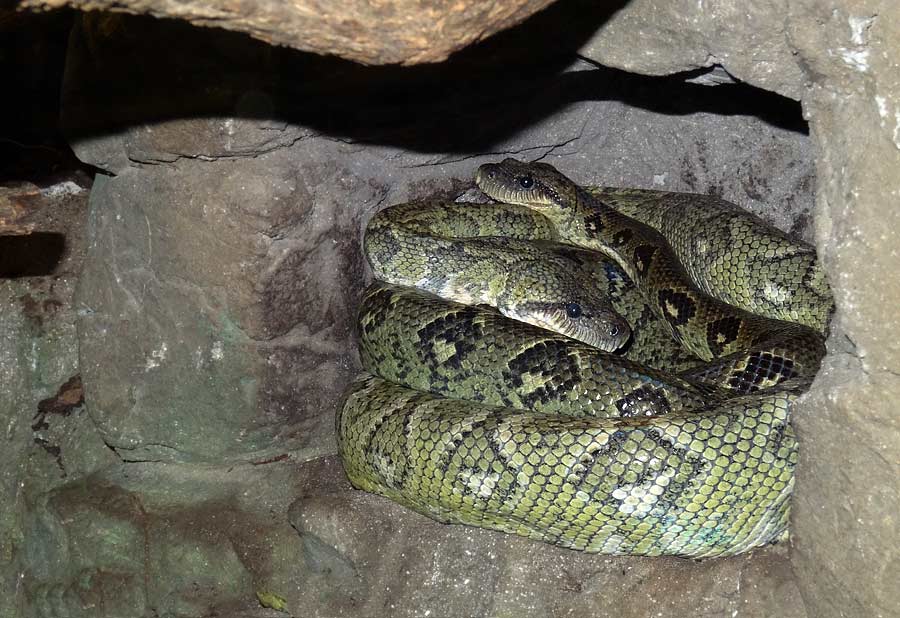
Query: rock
x=841, y=60
x=16, y=204
x=657, y=37
x=214, y=539
x=214, y=366
x=169, y=539
x=215, y=310
x=48, y=437
x=382, y=32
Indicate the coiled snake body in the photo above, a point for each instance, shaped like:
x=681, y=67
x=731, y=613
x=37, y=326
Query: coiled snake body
x=476, y=419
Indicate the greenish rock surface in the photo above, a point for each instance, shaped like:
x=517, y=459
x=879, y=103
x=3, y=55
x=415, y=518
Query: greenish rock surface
x=212, y=324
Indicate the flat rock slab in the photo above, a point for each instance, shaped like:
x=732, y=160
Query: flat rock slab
x=180, y=539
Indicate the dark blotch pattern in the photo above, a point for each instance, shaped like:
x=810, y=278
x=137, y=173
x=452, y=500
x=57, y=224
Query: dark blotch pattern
x=721, y=332
x=593, y=223
x=643, y=257
x=458, y=329
x=677, y=307
x=762, y=370
x=622, y=237
x=644, y=401
x=551, y=363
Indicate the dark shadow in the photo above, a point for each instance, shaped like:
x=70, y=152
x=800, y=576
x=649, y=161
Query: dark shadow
x=148, y=70
x=34, y=255
x=32, y=58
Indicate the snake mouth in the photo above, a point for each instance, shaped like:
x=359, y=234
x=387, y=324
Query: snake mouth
x=497, y=183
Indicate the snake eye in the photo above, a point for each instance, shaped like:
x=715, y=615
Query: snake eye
x=613, y=330
x=526, y=182
x=573, y=310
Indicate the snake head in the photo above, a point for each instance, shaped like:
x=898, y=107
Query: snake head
x=548, y=296
x=536, y=185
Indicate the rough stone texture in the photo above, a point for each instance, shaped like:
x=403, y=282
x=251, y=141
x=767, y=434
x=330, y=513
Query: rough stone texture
x=48, y=439
x=215, y=309
x=177, y=540
x=193, y=302
x=842, y=60
x=165, y=550
x=372, y=32
x=450, y=569
x=748, y=39
x=215, y=321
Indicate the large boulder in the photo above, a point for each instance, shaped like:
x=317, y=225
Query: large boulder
x=379, y=32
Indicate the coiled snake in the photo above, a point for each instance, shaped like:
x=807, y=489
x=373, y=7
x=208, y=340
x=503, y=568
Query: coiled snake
x=477, y=419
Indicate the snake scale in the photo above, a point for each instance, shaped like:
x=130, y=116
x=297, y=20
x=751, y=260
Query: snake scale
x=571, y=439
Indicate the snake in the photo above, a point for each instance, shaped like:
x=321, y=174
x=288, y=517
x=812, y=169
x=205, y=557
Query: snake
x=468, y=415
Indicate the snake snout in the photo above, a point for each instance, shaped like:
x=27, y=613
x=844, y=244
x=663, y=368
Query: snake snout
x=535, y=185
x=545, y=293
x=608, y=331
x=488, y=177
x=603, y=329
x=488, y=171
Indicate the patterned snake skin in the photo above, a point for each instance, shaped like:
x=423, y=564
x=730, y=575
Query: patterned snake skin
x=477, y=419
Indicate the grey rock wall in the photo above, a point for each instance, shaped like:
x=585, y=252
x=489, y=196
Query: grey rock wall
x=216, y=313
x=842, y=61
x=215, y=309
x=48, y=439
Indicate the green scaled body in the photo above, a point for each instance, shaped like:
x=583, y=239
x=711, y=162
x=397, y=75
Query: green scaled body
x=704, y=484
x=472, y=418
